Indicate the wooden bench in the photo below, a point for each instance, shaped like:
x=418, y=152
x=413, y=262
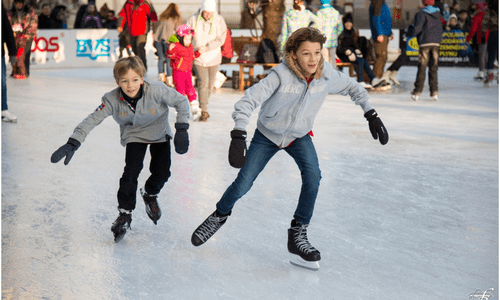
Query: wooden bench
x=352, y=72
x=249, y=70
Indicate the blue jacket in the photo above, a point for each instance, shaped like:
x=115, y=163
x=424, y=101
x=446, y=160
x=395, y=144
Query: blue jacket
x=289, y=104
x=380, y=24
x=427, y=27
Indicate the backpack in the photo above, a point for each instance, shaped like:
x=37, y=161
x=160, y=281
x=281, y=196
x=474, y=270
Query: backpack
x=248, y=54
x=267, y=52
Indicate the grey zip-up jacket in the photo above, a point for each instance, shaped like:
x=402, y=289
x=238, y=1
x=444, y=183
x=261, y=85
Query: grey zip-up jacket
x=148, y=123
x=289, y=104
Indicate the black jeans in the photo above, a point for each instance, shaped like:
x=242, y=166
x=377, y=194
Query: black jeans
x=427, y=56
x=138, y=44
x=134, y=158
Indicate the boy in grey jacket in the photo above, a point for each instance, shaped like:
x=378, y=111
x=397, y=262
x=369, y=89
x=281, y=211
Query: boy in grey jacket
x=141, y=109
x=290, y=98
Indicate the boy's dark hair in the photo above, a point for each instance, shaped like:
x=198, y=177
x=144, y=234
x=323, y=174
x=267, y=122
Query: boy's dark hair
x=304, y=34
x=128, y=63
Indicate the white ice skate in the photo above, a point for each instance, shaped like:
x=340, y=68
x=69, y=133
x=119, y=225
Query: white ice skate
x=195, y=109
x=8, y=117
x=298, y=261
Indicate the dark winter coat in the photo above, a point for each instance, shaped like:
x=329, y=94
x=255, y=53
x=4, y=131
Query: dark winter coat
x=7, y=35
x=427, y=27
x=44, y=22
x=347, y=41
x=91, y=21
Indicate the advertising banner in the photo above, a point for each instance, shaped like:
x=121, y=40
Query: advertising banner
x=87, y=48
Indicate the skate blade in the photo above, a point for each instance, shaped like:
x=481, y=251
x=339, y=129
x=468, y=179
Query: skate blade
x=300, y=262
x=120, y=236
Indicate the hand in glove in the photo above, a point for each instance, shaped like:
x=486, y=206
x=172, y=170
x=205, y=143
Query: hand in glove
x=66, y=150
x=238, y=149
x=358, y=53
x=350, y=55
x=181, y=138
x=377, y=128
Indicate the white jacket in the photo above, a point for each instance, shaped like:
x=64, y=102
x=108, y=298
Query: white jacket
x=211, y=34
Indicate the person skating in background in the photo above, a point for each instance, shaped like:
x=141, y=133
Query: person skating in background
x=24, y=23
x=295, y=18
x=111, y=21
x=92, y=19
x=44, y=19
x=9, y=42
x=210, y=32
x=182, y=55
x=490, y=22
x=429, y=32
x=136, y=14
x=381, y=29
x=480, y=33
x=141, y=108
x=169, y=20
x=330, y=24
x=290, y=96
x=350, y=51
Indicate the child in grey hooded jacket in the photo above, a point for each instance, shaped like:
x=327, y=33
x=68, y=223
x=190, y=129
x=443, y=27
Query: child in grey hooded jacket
x=141, y=109
x=290, y=97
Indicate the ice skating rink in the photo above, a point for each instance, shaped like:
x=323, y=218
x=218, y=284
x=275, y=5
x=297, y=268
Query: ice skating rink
x=415, y=219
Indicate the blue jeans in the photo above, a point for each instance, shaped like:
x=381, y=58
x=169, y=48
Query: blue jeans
x=260, y=152
x=4, y=85
x=161, y=50
x=363, y=65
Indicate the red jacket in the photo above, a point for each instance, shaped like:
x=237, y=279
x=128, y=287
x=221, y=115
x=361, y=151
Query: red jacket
x=181, y=57
x=137, y=20
x=228, y=46
x=476, y=29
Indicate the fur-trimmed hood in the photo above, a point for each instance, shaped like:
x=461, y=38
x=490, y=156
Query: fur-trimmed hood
x=294, y=66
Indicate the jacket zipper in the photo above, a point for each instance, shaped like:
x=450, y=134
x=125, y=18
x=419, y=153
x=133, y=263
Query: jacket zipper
x=295, y=113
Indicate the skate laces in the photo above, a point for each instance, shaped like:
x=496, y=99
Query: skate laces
x=124, y=219
x=301, y=240
x=209, y=227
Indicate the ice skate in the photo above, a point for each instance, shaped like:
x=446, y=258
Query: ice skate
x=8, y=117
x=366, y=85
x=415, y=96
x=120, y=225
x=434, y=96
x=170, y=81
x=378, y=82
x=161, y=77
x=208, y=228
x=479, y=76
x=303, y=253
x=195, y=109
x=392, y=76
x=204, y=116
x=489, y=79
x=151, y=203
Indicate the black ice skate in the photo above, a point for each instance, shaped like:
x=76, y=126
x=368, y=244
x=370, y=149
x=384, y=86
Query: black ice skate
x=304, y=254
x=152, y=208
x=120, y=225
x=208, y=228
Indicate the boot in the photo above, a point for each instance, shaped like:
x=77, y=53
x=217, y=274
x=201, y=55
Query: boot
x=195, y=109
x=170, y=81
x=298, y=244
x=434, y=95
x=152, y=208
x=208, y=228
x=392, y=76
x=8, y=117
x=161, y=77
x=120, y=225
x=489, y=78
x=480, y=76
x=204, y=116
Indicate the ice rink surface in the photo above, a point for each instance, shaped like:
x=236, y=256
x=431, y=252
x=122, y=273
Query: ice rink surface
x=414, y=219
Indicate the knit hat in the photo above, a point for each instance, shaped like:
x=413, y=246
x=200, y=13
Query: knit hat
x=347, y=18
x=209, y=5
x=428, y=2
x=325, y=1
x=184, y=30
x=481, y=5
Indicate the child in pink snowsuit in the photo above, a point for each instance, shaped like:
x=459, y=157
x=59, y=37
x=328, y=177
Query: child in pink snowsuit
x=181, y=56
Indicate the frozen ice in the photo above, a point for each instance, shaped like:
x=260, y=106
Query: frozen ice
x=414, y=219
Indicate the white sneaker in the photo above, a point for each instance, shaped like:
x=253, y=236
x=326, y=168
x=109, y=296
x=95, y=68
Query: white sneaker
x=366, y=85
x=8, y=117
x=376, y=82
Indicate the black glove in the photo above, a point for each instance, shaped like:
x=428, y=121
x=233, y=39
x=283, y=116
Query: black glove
x=181, y=138
x=377, y=128
x=238, y=149
x=66, y=150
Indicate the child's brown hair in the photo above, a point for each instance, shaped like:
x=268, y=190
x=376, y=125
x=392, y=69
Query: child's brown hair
x=124, y=64
x=304, y=34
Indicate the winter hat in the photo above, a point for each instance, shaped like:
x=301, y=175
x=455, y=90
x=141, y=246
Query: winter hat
x=184, y=30
x=347, y=18
x=481, y=5
x=325, y=1
x=208, y=5
x=428, y=2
